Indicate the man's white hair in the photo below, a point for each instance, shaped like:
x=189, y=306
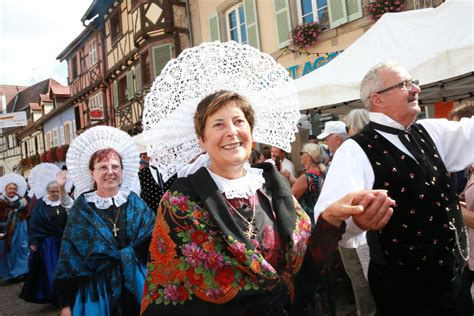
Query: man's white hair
x=372, y=82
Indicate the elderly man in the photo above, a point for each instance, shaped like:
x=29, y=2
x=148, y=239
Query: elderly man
x=417, y=258
x=353, y=250
x=334, y=134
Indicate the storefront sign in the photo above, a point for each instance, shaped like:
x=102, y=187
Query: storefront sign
x=13, y=119
x=310, y=66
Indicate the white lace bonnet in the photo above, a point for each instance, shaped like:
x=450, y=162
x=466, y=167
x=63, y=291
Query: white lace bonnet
x=92, y=140
x=203, y=70
x=42, y=175
x=16, y=179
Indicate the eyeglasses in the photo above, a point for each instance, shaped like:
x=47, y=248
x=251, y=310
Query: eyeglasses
x=106, y=168
x=407, y=85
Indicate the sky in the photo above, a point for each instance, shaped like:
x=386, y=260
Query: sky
x=32, y=34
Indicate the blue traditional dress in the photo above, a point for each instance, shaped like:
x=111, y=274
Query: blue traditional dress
x=102, y=264
x=14, y=249
x=47, y=224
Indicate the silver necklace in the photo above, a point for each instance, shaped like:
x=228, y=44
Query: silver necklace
x=251, y=230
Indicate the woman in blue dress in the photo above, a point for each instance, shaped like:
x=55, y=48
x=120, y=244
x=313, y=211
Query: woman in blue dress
x=47, y=224
x=13, y=227
x=102, y=263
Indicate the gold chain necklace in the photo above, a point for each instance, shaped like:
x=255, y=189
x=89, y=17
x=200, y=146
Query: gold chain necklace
x=115, y=229
x=251, y=230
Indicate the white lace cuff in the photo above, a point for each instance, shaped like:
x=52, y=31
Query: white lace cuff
x=66, y=201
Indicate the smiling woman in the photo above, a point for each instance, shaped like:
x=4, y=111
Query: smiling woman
x=229, y=238
x=109, y=228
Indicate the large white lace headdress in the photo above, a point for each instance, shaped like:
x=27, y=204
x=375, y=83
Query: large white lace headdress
x=92, y=140
x=42, y=175
x=16, y=179
x=201, y=71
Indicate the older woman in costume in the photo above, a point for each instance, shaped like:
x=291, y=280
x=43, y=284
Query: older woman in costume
x=101, y=266
x=13, y=227
x=229, y=239
x=47, y=223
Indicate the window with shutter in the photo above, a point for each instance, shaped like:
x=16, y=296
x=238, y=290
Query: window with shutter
x=130, y=91
x=283, y=22
x=354, y=9
x=214, y=29
x=314, y=10
x=343, y=11
x=115, y=91
x=161, y=55
x=251, y=18
x=236, y=27
x=138, y=77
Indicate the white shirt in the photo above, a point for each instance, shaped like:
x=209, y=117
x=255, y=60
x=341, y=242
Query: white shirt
x=286, y=164
x=351, y=169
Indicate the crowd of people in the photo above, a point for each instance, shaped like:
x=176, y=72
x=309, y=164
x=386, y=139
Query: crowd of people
x=216, y=219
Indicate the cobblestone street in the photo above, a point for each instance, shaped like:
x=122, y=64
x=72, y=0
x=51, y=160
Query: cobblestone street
x=12, y=305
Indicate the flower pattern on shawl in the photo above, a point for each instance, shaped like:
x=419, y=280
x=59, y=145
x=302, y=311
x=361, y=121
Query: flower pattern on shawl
x=190, y=256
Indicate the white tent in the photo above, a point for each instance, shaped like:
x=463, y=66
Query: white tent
x=436, y=45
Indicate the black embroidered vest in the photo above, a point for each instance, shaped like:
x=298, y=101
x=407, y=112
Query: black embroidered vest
x=151, y=192
x=420, y=240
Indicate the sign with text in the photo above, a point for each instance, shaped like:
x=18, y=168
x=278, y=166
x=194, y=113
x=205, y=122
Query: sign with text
x=13, y=119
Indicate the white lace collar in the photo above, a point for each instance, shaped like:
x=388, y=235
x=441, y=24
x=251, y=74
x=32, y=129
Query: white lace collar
x=240, y=188
x=13, y=199
x=51, y=203
x=105, y=203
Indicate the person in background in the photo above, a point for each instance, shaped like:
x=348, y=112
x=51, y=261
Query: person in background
x=47, y=224
x=417, y=259
x=281, y=162
x=356, y=120
x=312, y=139
x=464, y=184
x=14, y=209
x=466, y=109
x=306, y=188
x=102, y=263
x=256, y=157
x=152, y=186
x=334, y=134
x=354, y=252
x=266, y=152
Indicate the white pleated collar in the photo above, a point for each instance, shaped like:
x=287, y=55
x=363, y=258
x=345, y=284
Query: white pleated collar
x=105, y=203
x=51, y=203
x=13, y=199
x=244, y=187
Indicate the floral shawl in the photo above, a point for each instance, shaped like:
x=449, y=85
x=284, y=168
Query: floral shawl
x=193, y=223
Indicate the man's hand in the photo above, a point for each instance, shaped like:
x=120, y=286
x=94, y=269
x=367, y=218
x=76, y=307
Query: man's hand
x=369, y=209
x=377, y=210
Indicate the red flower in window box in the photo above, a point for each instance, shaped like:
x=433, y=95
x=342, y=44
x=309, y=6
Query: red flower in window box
x=306, y=35
x=377, y=8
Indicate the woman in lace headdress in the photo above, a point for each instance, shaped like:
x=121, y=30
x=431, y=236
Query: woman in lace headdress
x=48, y=219
x=229, y=239
x=13, y=227
x=101, y=266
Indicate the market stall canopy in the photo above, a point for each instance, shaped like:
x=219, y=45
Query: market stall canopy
x=436, y=45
